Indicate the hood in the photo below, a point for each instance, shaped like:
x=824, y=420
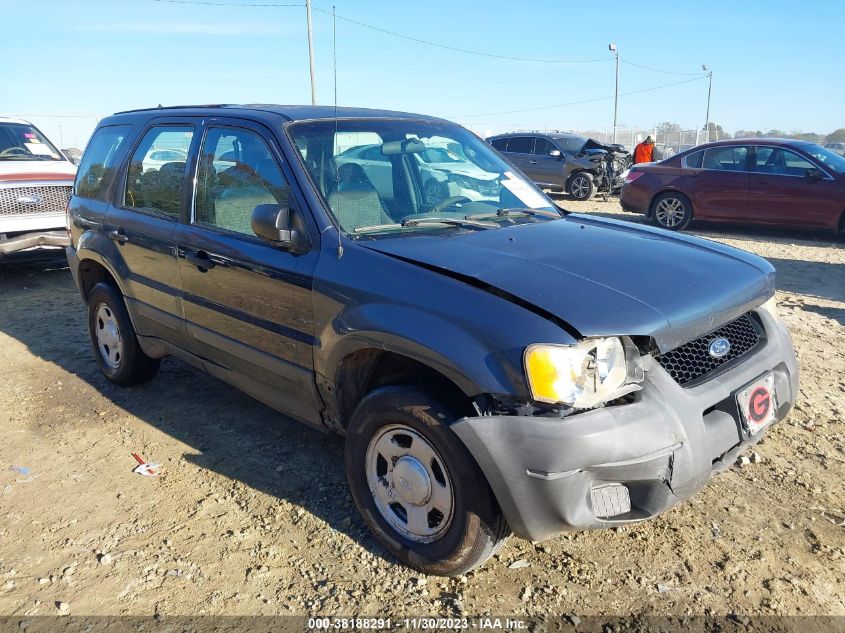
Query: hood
x=11, y=170
x=603, y=277
x=593, y=144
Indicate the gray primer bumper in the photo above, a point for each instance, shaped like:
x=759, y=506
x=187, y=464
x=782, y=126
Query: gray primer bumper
x=664, y=447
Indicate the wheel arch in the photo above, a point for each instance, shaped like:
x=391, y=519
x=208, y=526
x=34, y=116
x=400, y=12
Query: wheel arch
x=368, y=368
x=650, y=211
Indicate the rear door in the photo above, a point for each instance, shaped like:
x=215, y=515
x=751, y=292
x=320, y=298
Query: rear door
x=146, y=207
x=716, y=181
x=543, y=168
x=247, y=304
x=782, y=193
x=519, y=152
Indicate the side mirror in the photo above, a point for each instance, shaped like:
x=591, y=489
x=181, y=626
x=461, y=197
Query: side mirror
x=555, y=153
x=813, y=174
x=273, y=223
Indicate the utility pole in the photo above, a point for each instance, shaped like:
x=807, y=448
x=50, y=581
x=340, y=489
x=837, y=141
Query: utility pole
x=709, y=90
x=615, y=51
x=311, y=53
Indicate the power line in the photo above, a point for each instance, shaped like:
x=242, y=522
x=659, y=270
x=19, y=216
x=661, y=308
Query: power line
x=411, y=38
x=657, y=70
x=229, y=4
x=571, y=103
x=466, y=50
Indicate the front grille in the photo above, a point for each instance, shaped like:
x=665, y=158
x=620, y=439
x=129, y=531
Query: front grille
x=691, y=362
x=30, y=200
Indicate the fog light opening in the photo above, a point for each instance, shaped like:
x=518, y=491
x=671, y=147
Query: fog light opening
x=610, y=500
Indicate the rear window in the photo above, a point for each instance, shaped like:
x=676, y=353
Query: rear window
x=98, y=161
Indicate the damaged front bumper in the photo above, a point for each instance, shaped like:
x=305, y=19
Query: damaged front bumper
x=616, y=465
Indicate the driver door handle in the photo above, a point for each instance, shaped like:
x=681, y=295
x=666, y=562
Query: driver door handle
x=533, y=162
x=200, y=259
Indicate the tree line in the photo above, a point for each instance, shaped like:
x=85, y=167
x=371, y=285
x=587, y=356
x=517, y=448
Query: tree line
x=670, y=130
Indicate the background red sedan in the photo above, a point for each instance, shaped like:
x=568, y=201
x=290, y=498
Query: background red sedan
x=766, y=181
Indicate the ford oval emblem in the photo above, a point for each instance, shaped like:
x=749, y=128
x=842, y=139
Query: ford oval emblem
x=32, y=198
x=719, y=347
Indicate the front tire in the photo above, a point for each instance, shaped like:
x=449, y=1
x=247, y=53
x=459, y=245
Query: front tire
x=581, y=186
x=113, y=338
x=672, y=211
x=417, y=486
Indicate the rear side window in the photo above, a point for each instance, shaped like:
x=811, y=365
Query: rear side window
x=154, y=182
x=98, y=160
x=693, y=161
x=728, y=158
x=520, y=144
x=500, y=144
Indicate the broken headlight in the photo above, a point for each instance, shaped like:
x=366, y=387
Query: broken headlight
x=584, y=375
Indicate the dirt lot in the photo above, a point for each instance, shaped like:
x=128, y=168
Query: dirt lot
x=252, y=515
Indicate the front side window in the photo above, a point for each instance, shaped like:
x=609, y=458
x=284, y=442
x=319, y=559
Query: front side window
x=543, y=147
x=98, y=159
x=406, y=192
x=826, y=157
x=21, y=141
x=153, y=184
x=236, y=173
x=781, y=162
x=726, y=158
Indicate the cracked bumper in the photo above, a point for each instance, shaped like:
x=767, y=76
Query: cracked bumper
x=663, y=448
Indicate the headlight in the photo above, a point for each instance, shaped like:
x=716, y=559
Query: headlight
x=583, y=375
x=771, y=306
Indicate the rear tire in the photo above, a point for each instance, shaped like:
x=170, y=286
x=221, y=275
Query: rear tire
x=671, y=211
x=581, y=186
x=417, y=486
x=113, y=338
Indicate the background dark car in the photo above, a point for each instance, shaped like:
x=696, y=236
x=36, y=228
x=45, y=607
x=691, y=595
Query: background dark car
x=766, y=181
x=553, y=161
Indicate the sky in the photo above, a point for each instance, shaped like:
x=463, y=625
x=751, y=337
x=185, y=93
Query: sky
x=776, y=64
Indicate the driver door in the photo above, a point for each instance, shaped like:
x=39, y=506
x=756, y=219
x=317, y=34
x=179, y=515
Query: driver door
x=246, y=303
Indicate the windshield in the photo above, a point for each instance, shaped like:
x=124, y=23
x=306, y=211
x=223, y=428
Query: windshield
x=382, y=176
x=826, y=157
x=571, y=144
x=20, y=141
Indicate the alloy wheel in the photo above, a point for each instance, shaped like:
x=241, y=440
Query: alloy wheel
x=670, y=212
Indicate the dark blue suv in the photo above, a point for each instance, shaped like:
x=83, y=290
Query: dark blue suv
x=494, y=362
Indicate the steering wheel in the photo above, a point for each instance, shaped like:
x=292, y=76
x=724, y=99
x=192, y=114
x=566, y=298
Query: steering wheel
x=13, y=150
x=448, y=202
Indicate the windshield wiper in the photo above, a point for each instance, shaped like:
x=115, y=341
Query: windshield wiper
x=452, y=221
x=376, y=227
x=527, y=211
x=504, y=213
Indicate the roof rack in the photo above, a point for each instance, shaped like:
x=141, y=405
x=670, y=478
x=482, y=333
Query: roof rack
x=177, y=107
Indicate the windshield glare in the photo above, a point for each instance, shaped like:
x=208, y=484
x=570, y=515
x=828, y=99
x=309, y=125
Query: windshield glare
x=826, y=157
x=377, y=174
x=19, y=141
x=571, y=144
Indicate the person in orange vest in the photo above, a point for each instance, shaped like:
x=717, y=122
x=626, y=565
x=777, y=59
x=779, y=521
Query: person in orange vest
x=644, y=152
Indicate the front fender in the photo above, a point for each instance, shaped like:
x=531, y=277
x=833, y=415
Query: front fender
x=443, y=345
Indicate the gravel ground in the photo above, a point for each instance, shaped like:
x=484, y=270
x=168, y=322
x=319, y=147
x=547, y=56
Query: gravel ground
x=252, y=514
